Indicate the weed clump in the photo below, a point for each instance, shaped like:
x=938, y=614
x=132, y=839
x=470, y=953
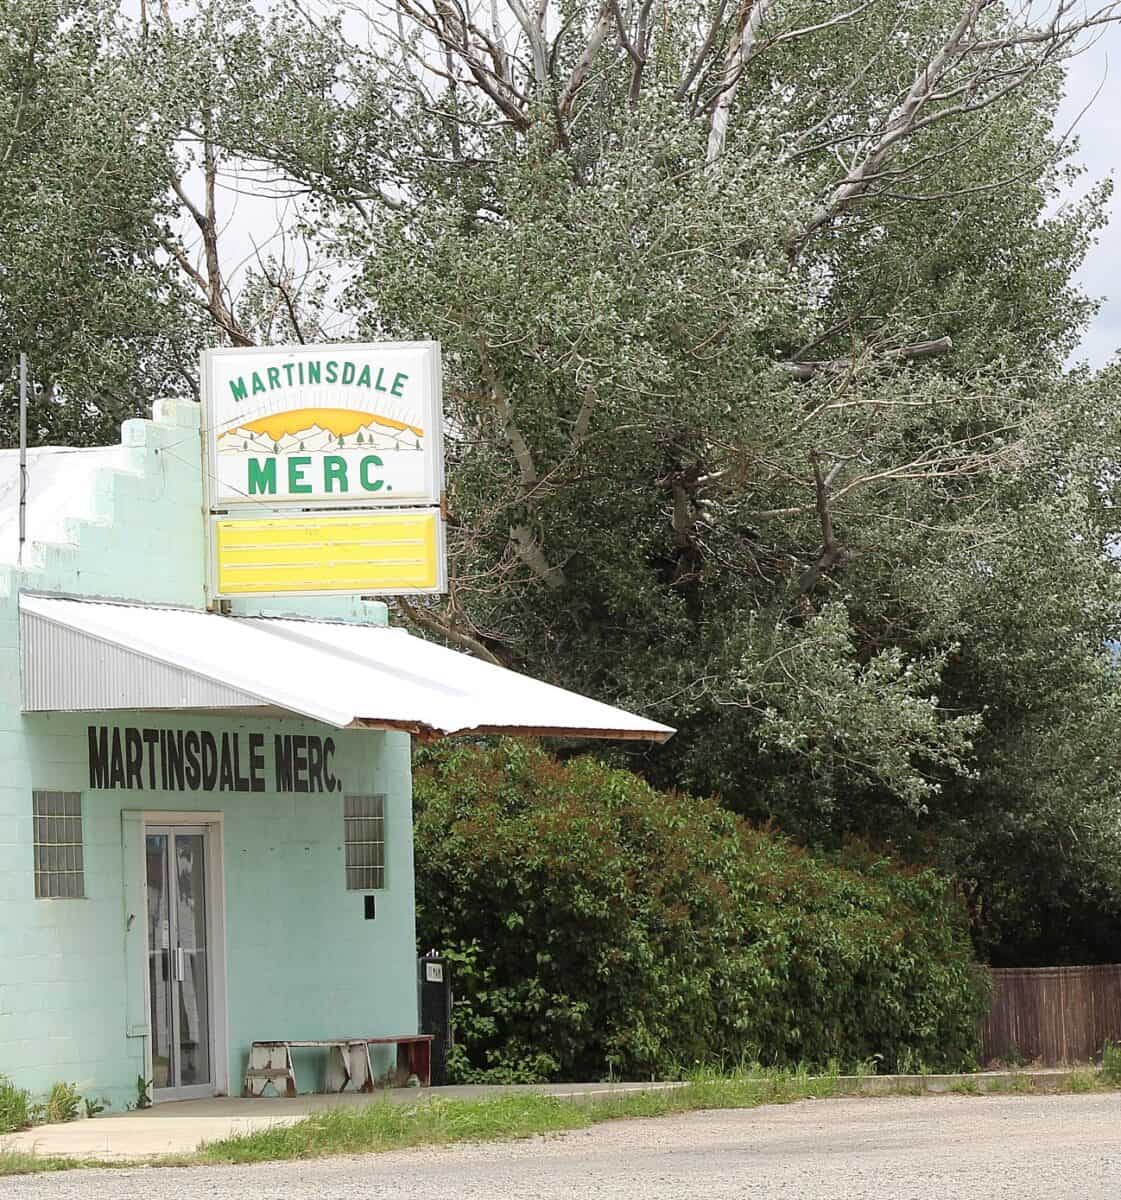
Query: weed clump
x=15, y=1107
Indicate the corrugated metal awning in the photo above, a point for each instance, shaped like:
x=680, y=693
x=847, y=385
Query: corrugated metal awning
x=93, y=656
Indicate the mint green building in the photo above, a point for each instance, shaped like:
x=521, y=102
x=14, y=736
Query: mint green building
x=205, y=818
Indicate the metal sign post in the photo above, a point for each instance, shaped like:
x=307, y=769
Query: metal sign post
x=22, y=455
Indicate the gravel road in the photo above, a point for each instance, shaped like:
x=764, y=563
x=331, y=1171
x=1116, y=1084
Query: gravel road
x=926, y=1148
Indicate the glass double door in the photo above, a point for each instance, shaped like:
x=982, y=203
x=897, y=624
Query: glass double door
x=179, y=961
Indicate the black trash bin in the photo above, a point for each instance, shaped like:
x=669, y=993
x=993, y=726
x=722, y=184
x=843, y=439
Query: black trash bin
x=434, y=986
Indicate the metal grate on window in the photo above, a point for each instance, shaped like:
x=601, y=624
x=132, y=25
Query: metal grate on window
x=59, y=862
x=364, y=824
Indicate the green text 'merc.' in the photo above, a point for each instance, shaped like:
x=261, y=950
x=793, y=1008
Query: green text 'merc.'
x=340, y=372
x=337, y=475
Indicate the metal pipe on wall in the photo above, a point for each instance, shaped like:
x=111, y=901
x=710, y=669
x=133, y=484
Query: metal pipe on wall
x=22, y=455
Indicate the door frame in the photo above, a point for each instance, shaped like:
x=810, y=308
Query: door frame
x=212, y=822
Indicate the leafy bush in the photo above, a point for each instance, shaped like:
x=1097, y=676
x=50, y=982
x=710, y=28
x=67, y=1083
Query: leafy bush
x=63, y=1104
x=15, y=1107
x=1111, y=1064
x=597, y=926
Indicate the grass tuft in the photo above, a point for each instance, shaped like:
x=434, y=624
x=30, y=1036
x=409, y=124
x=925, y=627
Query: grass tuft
x=15, y=1107
x=383, y=1125
x=16, y=1162
x=1015, y=1084
x=1082, y=1081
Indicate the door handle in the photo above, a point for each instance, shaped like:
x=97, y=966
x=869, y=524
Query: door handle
x=179, y=968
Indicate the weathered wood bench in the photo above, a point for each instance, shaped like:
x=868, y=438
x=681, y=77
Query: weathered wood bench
x=348, y=1062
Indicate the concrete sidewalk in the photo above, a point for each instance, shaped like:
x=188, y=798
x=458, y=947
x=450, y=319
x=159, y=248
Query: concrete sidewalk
x=181, y=1126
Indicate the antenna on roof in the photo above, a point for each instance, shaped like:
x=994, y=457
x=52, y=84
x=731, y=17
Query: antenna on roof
x=22, y=455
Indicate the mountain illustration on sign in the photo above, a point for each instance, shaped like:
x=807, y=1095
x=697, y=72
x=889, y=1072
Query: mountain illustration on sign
x=319, y=430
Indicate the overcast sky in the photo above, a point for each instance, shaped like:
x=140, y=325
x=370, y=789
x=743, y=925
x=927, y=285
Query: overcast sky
x=1099, y=135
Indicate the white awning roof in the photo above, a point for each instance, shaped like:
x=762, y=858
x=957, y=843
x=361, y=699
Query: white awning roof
x=91, y=656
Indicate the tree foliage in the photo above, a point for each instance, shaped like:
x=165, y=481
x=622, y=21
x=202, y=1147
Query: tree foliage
x=84, y=201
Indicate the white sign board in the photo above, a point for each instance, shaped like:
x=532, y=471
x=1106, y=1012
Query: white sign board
x=339, y=426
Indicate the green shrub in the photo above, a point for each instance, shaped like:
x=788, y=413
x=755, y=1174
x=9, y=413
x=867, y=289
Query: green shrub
x=63, y=1104
x=596, y=926
x=15, y=1107
x=1111, y=1064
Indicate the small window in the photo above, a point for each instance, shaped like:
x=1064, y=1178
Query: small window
x=58, y=845
x=364, y=822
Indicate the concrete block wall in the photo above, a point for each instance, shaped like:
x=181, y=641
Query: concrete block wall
x=301, y=960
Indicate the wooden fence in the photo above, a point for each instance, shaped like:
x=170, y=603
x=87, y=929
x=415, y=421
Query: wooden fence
x=1053, y=1015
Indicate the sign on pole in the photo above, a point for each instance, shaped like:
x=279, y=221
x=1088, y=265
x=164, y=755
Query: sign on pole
x=324, y=469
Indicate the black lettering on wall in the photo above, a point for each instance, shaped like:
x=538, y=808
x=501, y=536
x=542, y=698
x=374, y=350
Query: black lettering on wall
x=282, y=747
x=226, y=770
x=134, y=757
x=241, y=782
x=194, y=765
x=194, y=760
x=314, y=764
x=209, y=761
x=299, y=762
x=328, y=754
x=116, y=762
x=173, y=763
x=99, y=756
x=163, y=759
x=256, y=762
x=151, y=741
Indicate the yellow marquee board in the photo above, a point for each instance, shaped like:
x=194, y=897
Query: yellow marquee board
x=383, y=553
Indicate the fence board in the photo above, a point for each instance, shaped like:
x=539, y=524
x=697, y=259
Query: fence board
x=1053, y=1015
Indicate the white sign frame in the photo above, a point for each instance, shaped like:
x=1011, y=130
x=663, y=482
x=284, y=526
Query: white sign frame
x=257, y=358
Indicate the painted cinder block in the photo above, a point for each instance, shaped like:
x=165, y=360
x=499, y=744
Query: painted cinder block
x=300, y=958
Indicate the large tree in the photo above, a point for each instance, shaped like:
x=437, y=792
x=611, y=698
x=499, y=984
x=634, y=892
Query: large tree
x=755, y=316
x=85, y=288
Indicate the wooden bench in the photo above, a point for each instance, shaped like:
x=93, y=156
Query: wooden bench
x=348, y=1062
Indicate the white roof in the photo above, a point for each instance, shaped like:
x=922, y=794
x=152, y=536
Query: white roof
x=81, y=655
x=59, y=487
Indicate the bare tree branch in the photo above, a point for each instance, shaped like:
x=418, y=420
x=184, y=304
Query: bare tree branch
x=993, y=68
x=587, y=57
x=832, y=553
x=524, y=541
x=426, y=619
x=211, y=282
x=697, y=63
x=839, y=366
x=741, y=48
x=533, y=26
x=447, y=22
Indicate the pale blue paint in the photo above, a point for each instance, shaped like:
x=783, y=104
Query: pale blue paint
x=301, y=959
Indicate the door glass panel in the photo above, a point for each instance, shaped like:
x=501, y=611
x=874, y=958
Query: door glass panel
x=192, y=966
x=161, y=975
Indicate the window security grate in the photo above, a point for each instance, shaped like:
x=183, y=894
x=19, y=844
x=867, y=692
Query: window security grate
x=364, y=823
x=59, y=865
